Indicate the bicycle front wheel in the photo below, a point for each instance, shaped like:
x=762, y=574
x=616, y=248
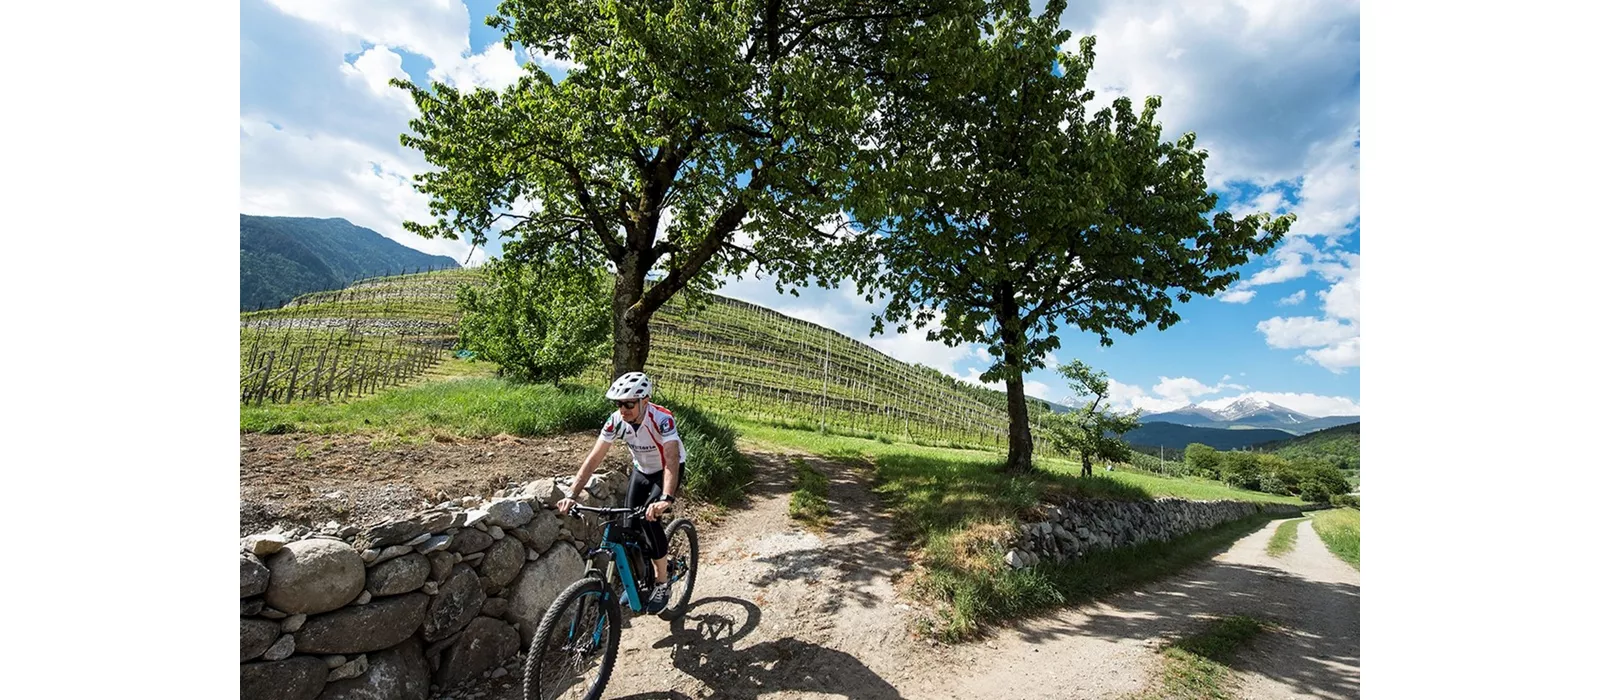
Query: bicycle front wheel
x=683, y=557
x=576, y=645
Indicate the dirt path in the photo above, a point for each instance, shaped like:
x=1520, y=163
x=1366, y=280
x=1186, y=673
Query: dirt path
x=781, y=612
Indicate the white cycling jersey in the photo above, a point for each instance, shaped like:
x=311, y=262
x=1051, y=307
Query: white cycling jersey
x=656, y=428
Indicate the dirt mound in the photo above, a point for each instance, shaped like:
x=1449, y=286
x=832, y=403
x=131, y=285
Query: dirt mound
x=309, y=480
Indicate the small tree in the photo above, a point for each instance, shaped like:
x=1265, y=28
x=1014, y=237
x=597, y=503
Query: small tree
x=541, y=322
x=1093, y=430
x=1201, y=460
x=1240, y=470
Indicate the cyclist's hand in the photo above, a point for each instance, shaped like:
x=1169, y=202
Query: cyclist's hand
x=655, y=510
x=564, y=505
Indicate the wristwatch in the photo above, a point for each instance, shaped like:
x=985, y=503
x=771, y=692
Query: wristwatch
x=668, y=498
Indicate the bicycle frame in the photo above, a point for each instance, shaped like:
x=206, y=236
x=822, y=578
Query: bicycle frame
x=618, y=564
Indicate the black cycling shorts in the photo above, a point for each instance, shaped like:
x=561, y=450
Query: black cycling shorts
x=644, y=489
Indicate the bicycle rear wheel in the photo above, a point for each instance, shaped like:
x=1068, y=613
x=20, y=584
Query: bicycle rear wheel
x=576, y=645
x=683, y=557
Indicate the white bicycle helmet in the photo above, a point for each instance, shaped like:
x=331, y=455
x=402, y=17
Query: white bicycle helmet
x=633, y=385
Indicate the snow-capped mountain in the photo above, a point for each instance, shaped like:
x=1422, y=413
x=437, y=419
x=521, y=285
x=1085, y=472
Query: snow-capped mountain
x=1254, y=410
x=1248, y=412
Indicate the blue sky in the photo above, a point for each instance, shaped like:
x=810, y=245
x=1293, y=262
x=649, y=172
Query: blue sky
x=1271, y=88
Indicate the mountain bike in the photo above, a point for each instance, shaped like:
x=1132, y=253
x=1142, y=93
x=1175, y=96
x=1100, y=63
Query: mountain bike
x=576, y=645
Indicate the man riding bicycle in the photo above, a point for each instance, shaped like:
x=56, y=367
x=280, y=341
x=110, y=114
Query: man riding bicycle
x=658, y=457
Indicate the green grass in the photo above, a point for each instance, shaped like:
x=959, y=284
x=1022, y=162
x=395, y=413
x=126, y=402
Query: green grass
x=469, y=407
x=1196, y=667
x=809, y=501
x=1284, y=538
x=957, y=507
x=973, y=587
x=1340, y=529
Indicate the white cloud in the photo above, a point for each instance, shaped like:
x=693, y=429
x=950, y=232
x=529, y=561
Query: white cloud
x=1334, y=340
x=496, y=68
x=1338, y=357
x=1168, y=393
x=1293, y=299
x=1343, y=300
x=1255, y=81
x=1305, y=331
x=373, y=69
x=436, y=29
x=325, y=176
x=1237, y=295
x=1310, y=404
x=1330, y=190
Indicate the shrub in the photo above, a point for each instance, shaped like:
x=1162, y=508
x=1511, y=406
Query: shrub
x=1346, y=500
x=716, y=471
x=539, y=322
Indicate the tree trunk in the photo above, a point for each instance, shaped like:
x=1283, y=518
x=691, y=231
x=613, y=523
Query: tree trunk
x=630, y=324
x=1086, y=470
x=1019, y=454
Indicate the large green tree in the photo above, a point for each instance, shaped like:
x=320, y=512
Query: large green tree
x=1003, y=211
x=684, y=123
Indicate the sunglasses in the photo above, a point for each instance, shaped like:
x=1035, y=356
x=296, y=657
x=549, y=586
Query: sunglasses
x=627, y=404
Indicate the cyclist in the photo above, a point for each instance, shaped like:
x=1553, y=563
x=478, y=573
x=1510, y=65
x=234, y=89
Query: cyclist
x=658, y=458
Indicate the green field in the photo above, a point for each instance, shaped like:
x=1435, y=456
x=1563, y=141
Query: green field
x=1340, y=529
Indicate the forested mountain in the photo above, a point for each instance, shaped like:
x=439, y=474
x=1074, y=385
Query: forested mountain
x=1172, y=436
x=1340, y=445
x=281, y=257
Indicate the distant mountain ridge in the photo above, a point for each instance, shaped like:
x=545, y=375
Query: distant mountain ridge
x=1172, y=436
x=281, y=257
x=1248, y=413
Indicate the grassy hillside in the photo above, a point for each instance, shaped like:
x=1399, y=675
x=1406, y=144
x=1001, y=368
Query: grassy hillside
x=1340, y=445
x=749, y=360
x=282, y=257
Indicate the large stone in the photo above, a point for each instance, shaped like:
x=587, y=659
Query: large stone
x=399, y=673
x=484, y=645
x=470, y=540
x=399, y=575
x=393, y=532
x=264, y=543
x=255, y=636
x=349, y=669
x=539, y=584
x=457, y=602
x=313, y=576
x=509, y=513
x=545, y=491
x=391, y=553
x=501, y=564
x=435, y=543
x=299, y=678
x=440, y=520
x=281, y=649
x=495, y=607
x=250, y=606
x=441, y=563
x=546, y=528
x=253, y=576
x=355, y=630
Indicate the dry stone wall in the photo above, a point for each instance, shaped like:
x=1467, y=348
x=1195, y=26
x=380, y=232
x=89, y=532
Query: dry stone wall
x=396, y=610
x=1079, y=526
